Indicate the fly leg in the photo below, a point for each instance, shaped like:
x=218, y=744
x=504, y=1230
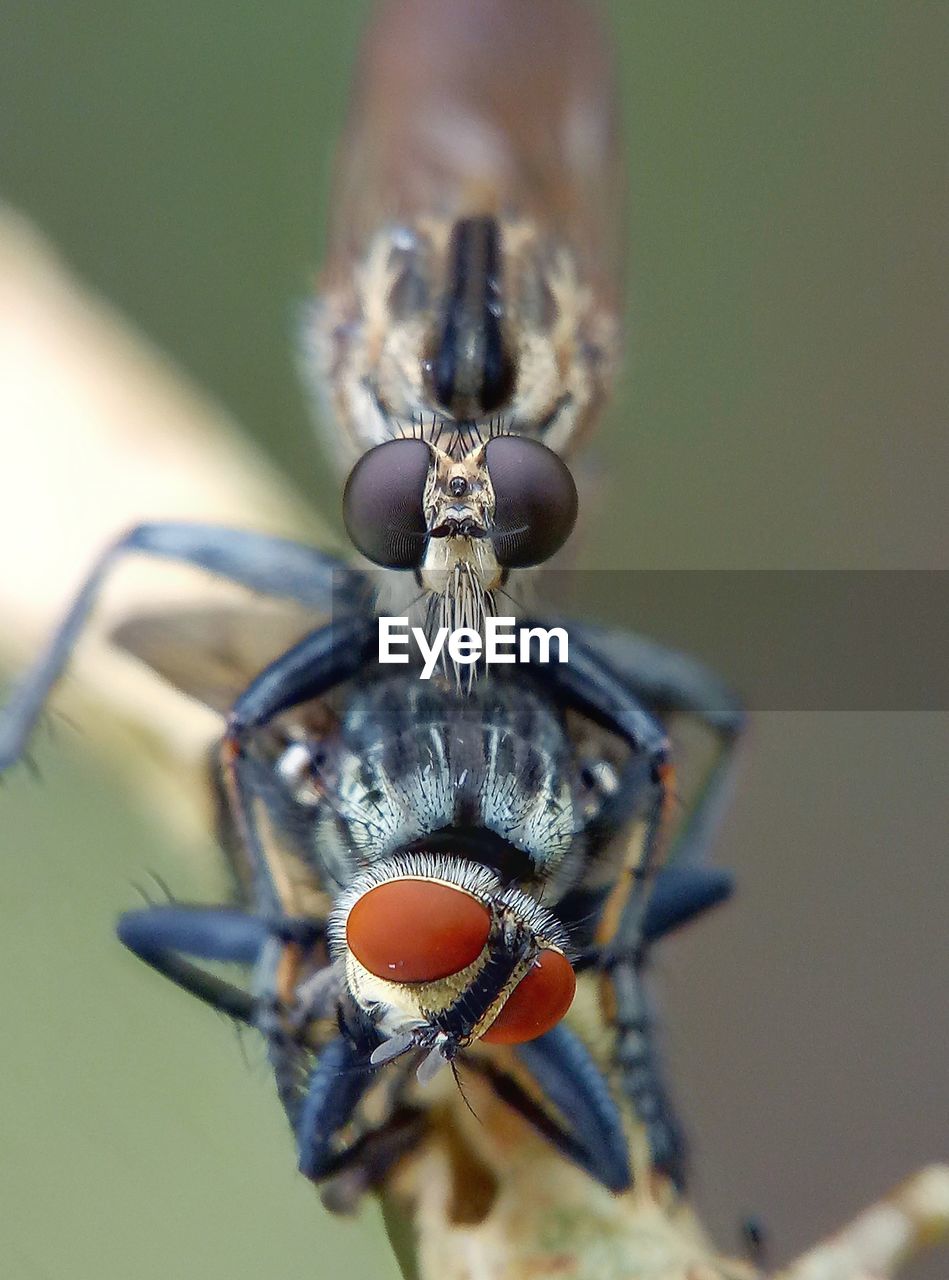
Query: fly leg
x=562, y=1066
x=322, y=660
x=588, y=685
x=321, y=1097
x=572, y=1084
x=272, y=566
x=335, y=1086
x=319, y=662
x=163, y=935
x=340, y=1076
x=607, y=670
x=672, y=683
x=679, y=895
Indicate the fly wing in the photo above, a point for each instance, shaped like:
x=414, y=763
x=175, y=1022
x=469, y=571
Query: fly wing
x=505, y=107
x=212, y=653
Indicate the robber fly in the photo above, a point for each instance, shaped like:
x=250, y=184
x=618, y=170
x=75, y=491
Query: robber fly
x=423, y=878
x=466, y=332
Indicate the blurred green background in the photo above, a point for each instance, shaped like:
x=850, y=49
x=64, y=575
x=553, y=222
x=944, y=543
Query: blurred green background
x=783, y=406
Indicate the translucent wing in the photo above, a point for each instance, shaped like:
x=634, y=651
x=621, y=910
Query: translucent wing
x=213, y=653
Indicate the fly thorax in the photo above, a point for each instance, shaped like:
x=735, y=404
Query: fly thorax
x=484, y=776
x=470, y=365
x=468, y=318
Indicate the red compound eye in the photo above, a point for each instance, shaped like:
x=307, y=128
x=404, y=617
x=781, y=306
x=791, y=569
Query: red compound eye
x=537, y=1003
x=416, y=931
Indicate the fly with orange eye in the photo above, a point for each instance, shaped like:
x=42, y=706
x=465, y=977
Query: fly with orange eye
x=448, y=824
x=427, y=878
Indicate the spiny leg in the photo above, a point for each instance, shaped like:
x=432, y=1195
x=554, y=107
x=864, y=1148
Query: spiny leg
x=318, y=663
x=685, y=893
x=608, y=671
x=588, y=685
x=320, y=1097
x=162, y=935
x=269, y=565
x=679, y=895
x=672, y=683
x=334, y=1089
x=562, y=1066
x=246, y=786
x=572, y=1083
x=323, y=659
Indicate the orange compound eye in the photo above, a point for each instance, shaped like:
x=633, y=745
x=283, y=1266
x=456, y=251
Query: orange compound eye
x=416, y=931
x=537, y=1003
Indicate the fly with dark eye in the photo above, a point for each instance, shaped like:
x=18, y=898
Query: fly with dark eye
x=467, y=331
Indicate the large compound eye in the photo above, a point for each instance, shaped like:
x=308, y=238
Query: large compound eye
x=417, y=930
x=382, y=503
x=535, y=500
x=537, y=1003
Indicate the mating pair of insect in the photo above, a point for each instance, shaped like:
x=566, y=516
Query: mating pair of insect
x=425, y=873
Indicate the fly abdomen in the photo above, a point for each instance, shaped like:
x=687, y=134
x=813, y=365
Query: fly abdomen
x=472, y=368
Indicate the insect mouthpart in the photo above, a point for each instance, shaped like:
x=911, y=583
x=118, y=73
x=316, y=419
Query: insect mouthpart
x=439, y=954
x=462, y=526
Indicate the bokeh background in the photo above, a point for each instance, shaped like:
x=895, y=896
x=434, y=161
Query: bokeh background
x=783, y=407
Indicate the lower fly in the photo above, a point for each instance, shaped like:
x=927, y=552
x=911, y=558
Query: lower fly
x=427, y=879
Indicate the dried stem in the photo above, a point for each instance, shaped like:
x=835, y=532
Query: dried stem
x=99, y=432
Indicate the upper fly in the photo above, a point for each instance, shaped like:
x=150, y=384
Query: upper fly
x=466, y=331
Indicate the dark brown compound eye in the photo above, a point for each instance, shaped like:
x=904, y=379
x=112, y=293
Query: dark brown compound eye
x=535, y=500
x=382, y=503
